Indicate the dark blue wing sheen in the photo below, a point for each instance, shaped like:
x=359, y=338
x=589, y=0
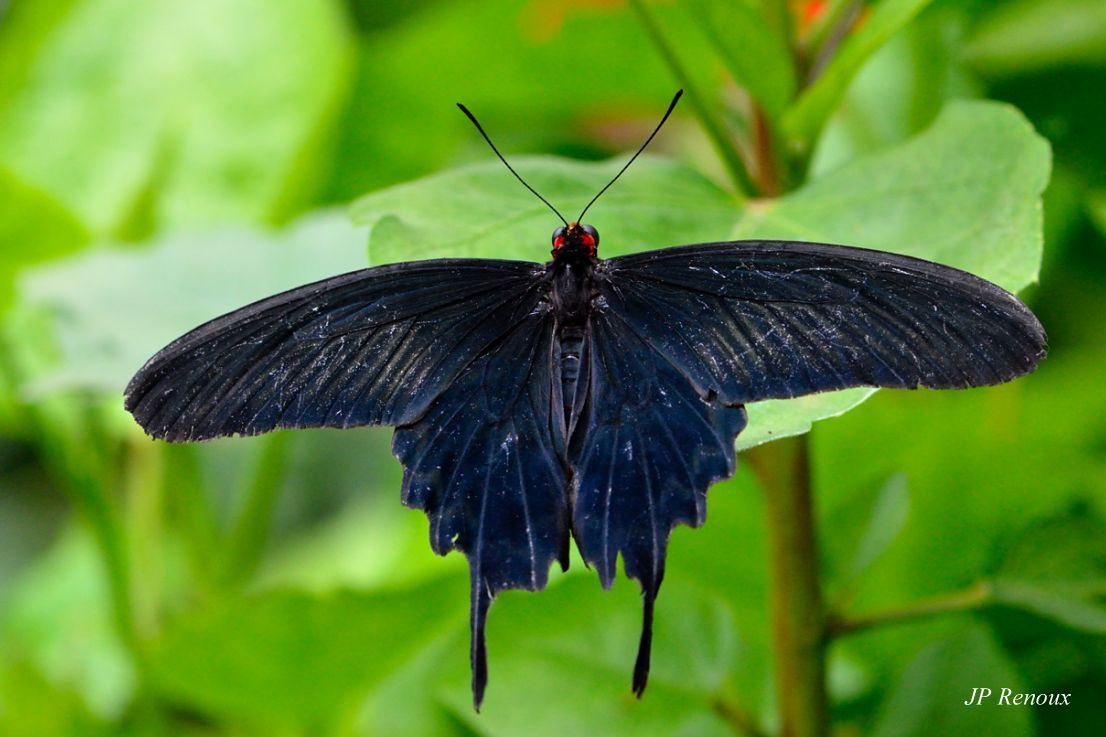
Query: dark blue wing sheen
x=643, y=452
x=754, y=320
x=482, y=463
x=371, y=347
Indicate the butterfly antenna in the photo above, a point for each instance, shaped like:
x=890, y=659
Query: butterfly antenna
x=480, y=128
x=671, y=107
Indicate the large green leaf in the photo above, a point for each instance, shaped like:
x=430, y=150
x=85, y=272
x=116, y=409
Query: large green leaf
x=57, y=618
x=34, y=706
x=1057, y=570
x=899, y=91
x=1029, y=35
x=33, y=227
x=324, y=651
x=201, y=106
x=318, y=652
x=556, y=674
x=781, y=418
x=965, y=192
x=983, y=465
x=929, y=697
x=886, y=522
x=481, y=211
x=113, y=308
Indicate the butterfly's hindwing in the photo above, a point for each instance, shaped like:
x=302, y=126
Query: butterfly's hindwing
x=645, y=450
x=482, y=463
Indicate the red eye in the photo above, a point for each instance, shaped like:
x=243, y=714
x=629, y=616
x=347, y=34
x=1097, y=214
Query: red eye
x=589, y=241
x=558, y=239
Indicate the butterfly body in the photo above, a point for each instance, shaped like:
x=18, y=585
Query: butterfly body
x=573, y=291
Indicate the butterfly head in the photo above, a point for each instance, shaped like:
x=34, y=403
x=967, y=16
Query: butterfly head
x=575, y=240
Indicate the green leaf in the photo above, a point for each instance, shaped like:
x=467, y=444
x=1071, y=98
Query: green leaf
x=57, y=617
x=804, y=119
x=24, y=29
x=1096, y=207
x=967, y=455
x=1017, y=37
x=113, y=308
x=34, y=706
x=886, y=522
x=480, y=210
x=552, y=673
x=295, y=656
x=34, y=227
x=899, y=91
x=1057, y=570
x=211, y=83
x=781, y=418
x=552, y=696
x=752, y=50
x=965, y=192
x=1056, y=605
x=929, y=697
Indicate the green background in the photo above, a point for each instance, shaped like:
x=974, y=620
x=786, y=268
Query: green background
x=162, y=162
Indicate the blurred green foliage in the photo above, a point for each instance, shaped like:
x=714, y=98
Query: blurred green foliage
x=162, y=162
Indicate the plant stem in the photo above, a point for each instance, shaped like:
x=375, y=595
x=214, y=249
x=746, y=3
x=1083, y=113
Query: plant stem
x=820, y=29
x=734, y=715
x=143, y=518
x=975, y=596
x=768, y=171
x=711, y=123
x=798, y=614
x=778, y=15
x=841, y=19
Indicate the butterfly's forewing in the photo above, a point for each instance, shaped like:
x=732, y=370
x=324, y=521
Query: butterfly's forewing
x=645, y=450
x=483, y=464
x=754, y=320
x=370, y=347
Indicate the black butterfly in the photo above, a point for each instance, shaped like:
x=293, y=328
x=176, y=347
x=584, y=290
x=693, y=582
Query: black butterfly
x=585, y=397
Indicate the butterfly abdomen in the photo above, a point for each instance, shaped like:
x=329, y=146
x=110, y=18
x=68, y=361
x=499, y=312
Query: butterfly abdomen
x=572, y=340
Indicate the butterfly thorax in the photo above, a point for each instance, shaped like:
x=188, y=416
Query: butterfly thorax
x=572, y=289
x=575, y=255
